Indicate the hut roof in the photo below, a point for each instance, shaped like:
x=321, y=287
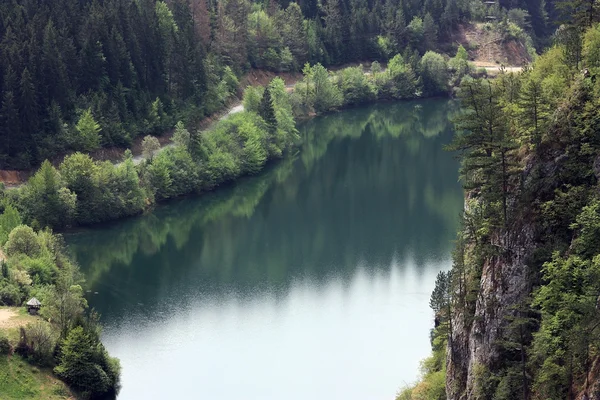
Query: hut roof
x=34, y=302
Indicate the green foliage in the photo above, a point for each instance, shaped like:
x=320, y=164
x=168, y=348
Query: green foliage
x=85, y=364
x=440, y=297
x=320, y=93
x=4, y=345
x=434, y=74
x=459, y=65
x=64, y=303
x=587, y=243
x=157, y=118
x=252, y=98
x=591, y=47
x=266, y=109
x=567, y=300
x=375, y=67
x=159, y=177
x=9, y=219
x=37, y=343
x=534, y=109
x=162, y=61
x=88, y=137
x=150, y=146
x=45, y=201
x=432, y=383
x=23, y=240
x=398, y=81
x=37, y=265
x=355, y=86
x=103, y=191
x=543, y=122
x=181, y=136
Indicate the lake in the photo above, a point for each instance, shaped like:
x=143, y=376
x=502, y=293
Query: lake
x=310, y=280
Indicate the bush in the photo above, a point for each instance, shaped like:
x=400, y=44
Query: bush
x=356, y=88
x=252, y=97
x=23, y=240
x=434, y=71
x=45, y=200
x=10, y=295
x=4, y=345
x=38, y=342
x=85, y=364
x=9, y=219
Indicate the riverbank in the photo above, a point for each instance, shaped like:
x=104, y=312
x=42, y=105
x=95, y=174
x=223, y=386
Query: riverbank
x=89, y=192
x=355, y=226
x=14, y=179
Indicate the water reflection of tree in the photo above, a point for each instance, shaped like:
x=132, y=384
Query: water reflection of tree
x=364, y=203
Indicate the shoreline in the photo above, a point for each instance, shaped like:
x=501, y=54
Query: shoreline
x=12, y=179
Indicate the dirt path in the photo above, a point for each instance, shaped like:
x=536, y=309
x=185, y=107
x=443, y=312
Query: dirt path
x=495, y=68
x=8, y=318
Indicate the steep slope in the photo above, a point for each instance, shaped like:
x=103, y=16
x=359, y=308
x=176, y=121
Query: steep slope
x=525, y=285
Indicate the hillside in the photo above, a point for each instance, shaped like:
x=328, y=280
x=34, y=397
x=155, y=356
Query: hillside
x=20, y=380
x=518, y=314
x=84, y=75
x=488, y=46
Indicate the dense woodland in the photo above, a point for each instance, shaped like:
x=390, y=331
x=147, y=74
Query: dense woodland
x=77, y=75
x=530, y=149
x=138, y=66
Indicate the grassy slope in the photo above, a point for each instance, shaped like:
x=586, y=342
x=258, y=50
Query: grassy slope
x=19, y=380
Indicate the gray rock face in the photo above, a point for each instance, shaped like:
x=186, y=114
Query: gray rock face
x=505, y=282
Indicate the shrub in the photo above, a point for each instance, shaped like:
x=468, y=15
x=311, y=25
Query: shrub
x=23, y=240
x=9, y=220
x=10, y=295
x=38, y=342
x=85, y=364
x=4, y=345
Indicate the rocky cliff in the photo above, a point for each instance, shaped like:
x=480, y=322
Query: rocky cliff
x=499, y=282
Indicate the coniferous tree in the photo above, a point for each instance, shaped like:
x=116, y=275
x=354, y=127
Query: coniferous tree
x=534, y=109
x=28, y=107
x=266, y=109
x=430, y=32
x=10, y=125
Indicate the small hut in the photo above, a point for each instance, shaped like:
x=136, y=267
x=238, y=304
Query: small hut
x=33, y=306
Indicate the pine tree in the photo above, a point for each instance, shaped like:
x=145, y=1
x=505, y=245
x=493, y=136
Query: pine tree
x=293, y=33
x=89, y=131
x=450, y=16
x=267, y=111
x=10, y=125
x=430, y=32
x=487, y=145
x=534, y=109
x=333, y=21
x=28, y=107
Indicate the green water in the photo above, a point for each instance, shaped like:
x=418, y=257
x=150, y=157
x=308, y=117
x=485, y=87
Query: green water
x=308, y=281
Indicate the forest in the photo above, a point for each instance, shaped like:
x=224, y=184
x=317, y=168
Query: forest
x=138, y=66
x=517, y=316
x=78, y=75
